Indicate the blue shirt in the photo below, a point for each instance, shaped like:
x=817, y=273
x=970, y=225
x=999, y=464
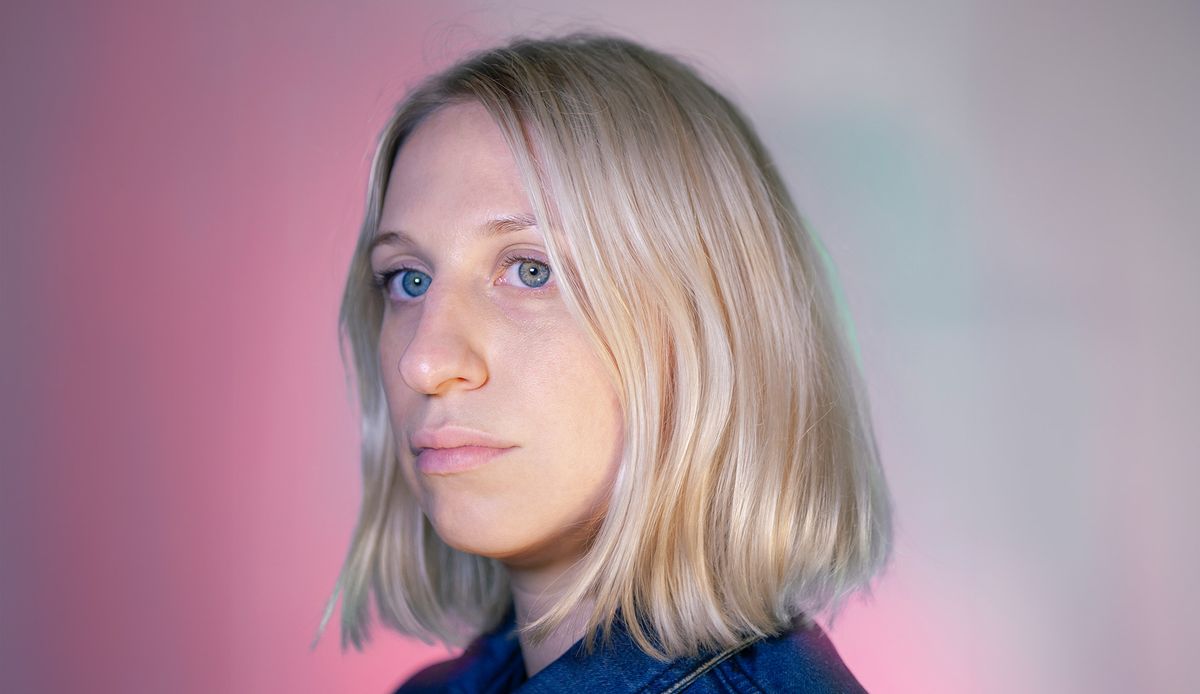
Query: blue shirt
x=802, y=659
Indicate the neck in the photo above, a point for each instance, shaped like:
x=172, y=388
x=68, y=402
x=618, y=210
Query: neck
x=534, y=590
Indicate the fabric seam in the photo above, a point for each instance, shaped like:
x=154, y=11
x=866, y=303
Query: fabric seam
x=709, y=664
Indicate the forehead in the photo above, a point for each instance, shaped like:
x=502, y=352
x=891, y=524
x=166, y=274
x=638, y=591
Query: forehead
x=454, y=168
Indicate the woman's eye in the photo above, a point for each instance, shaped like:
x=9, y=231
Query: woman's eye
x=405, y=282
x=529, y=272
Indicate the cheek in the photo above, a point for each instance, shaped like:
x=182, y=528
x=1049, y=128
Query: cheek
x=549, y=370
x=557, y=393
x=574, y=414
x=394, y=335
x=401, y=401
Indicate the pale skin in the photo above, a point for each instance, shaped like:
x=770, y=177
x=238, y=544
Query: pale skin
x=468, y=342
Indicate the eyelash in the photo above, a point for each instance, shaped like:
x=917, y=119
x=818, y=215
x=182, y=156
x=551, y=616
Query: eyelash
x=383, y=279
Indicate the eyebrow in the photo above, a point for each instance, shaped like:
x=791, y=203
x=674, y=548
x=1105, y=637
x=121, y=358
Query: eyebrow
x=502, y=224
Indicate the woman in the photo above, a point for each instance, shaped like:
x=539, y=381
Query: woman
x=605, y=392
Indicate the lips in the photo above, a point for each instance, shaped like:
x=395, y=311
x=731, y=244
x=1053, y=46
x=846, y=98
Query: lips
x=450, y=449
x=446, y=461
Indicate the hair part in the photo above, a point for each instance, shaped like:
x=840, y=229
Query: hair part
x=750, y=489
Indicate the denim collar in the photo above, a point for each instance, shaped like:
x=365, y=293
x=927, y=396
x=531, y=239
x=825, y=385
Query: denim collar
x=494, y=665
x=800, y=659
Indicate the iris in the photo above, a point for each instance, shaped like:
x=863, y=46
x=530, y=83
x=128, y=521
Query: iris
x=533, y=273
x=414, y=282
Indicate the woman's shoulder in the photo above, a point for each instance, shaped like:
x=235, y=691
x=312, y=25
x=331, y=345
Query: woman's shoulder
x=801, y=659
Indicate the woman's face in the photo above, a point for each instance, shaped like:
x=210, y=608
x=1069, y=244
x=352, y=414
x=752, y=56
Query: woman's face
x=505, y=421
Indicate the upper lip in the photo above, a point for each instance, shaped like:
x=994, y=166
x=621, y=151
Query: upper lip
x=452, y=436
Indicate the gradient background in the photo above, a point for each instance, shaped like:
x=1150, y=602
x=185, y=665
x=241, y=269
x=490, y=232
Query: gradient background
x=1008, y=189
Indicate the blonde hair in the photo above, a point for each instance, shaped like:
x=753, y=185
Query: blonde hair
x=750, y=489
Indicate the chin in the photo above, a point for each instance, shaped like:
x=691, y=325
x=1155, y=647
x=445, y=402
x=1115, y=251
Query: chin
x=532, y=550
x=512, y=547
x=475, y=534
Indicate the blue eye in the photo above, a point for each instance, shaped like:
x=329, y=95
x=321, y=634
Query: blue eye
x=413, y=283
x=532, y=273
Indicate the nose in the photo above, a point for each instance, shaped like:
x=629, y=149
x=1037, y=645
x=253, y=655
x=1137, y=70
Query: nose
x=444, y=351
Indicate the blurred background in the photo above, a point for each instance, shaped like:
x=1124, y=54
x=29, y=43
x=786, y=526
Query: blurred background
x=1008, y=189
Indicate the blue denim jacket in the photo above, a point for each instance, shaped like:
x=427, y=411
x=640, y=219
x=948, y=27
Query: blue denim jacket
x=801, y=659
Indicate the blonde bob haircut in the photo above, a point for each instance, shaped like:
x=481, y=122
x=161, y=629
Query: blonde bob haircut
x=750, y=490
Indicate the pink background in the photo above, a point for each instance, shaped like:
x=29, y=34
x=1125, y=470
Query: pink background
x=1008, y=189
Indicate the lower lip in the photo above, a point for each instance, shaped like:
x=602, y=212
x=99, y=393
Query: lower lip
x=445, y=461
